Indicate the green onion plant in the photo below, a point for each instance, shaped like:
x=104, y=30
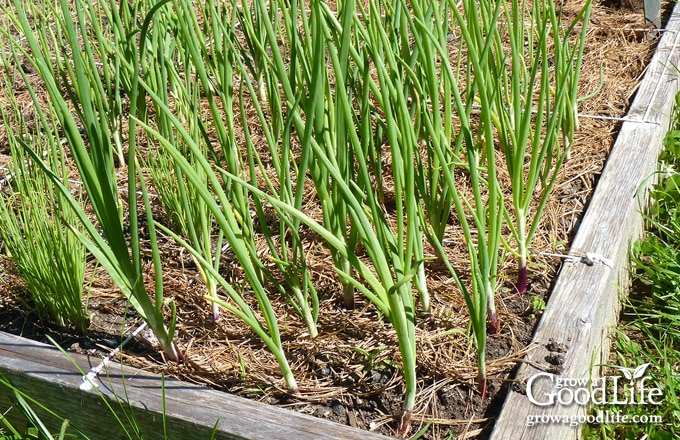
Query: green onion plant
x=226, y=218
x=467, y=154
x=188, y=216
x=535, y=100
x=389, y=275
x=212, y=57
x=306, y=78
x=283, y=175
x=332, y=126
x=395, y=72
x=186, y=212
x=227, y=203
x=53, y=27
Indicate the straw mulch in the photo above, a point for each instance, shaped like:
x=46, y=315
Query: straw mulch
x=350, y=372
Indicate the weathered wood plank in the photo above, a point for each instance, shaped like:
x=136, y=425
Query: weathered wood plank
x=47, y=375
x=585, y=302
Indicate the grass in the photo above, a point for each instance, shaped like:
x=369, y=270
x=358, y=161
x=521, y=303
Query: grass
x=651, y=316
x=29, y=419
x=36, y=429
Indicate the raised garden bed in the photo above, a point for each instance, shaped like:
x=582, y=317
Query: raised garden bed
x=456, y=389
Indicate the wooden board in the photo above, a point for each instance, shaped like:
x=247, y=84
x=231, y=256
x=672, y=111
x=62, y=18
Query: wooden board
x=46, y=374
x=585, y=302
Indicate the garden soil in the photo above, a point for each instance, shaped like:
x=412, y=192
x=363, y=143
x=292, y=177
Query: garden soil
x=350, y=373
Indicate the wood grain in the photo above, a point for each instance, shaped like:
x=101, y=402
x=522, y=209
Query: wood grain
x=46, y=374
x=585, y=302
